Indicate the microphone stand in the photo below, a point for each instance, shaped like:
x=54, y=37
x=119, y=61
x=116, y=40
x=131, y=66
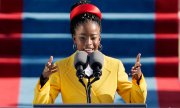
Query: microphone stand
x=80, y=73
x=88, y=90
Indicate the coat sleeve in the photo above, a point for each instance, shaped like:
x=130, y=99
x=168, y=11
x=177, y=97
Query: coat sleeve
x=131, y=92
x=48, y=93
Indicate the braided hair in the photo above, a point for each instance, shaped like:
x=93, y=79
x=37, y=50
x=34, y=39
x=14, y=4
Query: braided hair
x=83, y=18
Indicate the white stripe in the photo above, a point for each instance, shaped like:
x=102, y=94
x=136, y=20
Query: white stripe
x=129, y=36
x=143, y=60
x=47, y=16
x=112, y=16
x=46, y=36
x=129, y=16
x=103, y=35
x=124, y=60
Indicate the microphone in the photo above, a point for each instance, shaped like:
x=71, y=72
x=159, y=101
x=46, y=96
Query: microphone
x=80, y=63
x=96, y=62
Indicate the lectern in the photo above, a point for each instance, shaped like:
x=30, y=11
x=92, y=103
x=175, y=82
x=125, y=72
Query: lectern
x=91, y=106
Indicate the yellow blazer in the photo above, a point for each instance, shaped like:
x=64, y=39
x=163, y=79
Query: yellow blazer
x=114, y=78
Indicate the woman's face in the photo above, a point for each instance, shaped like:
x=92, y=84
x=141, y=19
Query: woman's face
x=87, y=37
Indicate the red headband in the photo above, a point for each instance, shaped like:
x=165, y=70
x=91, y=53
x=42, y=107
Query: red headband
x=85, y=8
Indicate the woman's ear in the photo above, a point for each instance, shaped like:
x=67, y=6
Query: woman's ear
x=74, y=39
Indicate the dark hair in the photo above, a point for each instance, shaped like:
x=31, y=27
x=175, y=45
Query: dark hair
x=83, y=18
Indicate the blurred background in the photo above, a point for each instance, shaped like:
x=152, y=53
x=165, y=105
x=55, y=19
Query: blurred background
x=33, y=30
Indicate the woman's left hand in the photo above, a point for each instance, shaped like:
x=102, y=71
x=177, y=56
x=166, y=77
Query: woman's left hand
x=136, y=69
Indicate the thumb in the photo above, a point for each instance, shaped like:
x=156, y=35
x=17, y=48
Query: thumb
x=50, y=60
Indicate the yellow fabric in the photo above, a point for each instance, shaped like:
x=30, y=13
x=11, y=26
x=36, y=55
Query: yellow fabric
x=114, y=78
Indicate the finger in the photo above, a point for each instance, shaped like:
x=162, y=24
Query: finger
x=138, y=58
x=53, y=71
x=138, y=68
x=50, y=60
x=133, y=71
x=137, y=65
x=48, y=65
x=55, y=67
x=134, y=74
x=46, y=69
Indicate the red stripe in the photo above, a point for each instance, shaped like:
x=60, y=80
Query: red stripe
x=10, y=16
x=167, y=36
x=9, y=61
x=167, y=16
x=166, y=29
x=10, y=56
x=11, y=35
x=9, y=91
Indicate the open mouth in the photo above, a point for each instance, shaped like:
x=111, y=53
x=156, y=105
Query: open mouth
x=89, y=50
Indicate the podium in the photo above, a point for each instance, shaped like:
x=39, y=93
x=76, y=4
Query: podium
x=90, y=106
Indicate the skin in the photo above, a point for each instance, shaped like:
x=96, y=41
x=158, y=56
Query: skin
x=87, y=38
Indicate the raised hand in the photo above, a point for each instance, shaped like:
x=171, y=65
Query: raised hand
x=136, y=69
x=49, y=68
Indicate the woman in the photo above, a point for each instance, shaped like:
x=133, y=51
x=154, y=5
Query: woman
x=61, y=77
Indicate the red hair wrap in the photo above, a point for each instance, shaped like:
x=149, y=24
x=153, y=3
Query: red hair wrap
x=85, y=8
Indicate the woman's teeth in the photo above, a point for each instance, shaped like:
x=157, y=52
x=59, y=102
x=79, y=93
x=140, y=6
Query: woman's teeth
x=88, y=50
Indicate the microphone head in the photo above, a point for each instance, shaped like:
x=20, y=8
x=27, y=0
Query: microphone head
x=96, y=60
x=80, y=59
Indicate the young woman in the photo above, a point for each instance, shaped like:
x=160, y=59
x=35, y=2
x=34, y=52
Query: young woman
x=61, y=77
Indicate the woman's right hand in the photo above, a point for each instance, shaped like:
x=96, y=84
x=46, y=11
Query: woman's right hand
x=49, y=68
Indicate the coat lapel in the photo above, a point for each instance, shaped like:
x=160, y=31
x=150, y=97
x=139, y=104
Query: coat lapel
x=105, y=73
x=71, y=75
x=97, y=85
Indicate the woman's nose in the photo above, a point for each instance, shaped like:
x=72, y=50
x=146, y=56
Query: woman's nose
x=88, y=41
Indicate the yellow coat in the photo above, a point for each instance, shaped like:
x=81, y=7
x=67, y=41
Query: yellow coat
x=114, y=78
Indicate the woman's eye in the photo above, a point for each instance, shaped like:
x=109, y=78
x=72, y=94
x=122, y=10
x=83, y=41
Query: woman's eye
x=93, y=38
x=82, y=38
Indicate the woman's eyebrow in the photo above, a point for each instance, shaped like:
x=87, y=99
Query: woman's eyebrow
x=94, y=34
x=83, y=34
